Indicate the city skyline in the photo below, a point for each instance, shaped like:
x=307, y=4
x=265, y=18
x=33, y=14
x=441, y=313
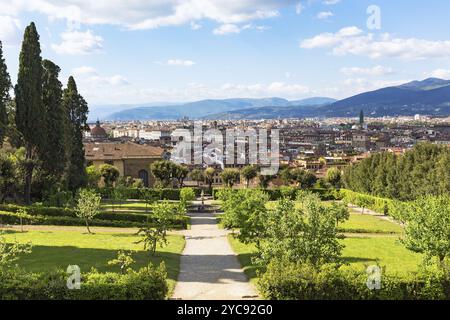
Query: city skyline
x=166, y=52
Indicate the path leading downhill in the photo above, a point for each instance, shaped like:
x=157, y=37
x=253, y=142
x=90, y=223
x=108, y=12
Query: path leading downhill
x=209, y=268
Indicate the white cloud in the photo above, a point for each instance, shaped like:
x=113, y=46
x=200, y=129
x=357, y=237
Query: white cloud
x=326, y=40
x=331, y=2
x=77, y=42
x=440, y=73
x=195, y=25
x=351, y=41
x=180, y=63
x=373, y=71
x=90, y=78
x=324, y=15
x=9, y=30
x=82, y=71
x=279, y=89
x=144, y=14
x=227, y=29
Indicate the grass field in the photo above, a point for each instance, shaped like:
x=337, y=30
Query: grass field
x=58, y=249
x=370, y=224
x=369, y=240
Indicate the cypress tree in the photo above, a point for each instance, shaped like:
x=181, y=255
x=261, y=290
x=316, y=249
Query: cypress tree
x=53, y=155
x=77, y=109
x=5, y=86
x=30, y=112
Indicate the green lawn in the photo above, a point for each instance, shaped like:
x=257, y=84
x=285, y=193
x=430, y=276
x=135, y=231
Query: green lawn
x=359, y=252
x=58, y=249
x=370, y=224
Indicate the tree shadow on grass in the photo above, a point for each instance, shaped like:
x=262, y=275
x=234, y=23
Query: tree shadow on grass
x=47, y=258
x=358, y=260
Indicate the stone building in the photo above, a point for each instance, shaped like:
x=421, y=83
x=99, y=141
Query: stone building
x=131, y=159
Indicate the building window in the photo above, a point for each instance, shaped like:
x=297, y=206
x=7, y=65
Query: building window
x=143, y=175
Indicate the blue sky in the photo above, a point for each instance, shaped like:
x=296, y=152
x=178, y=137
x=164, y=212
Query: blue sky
x=141, y=51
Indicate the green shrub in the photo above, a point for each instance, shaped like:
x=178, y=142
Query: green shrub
x=290, y=281
x=116, y=220
x=148, y=283
x=277, y=194
x=379, y=205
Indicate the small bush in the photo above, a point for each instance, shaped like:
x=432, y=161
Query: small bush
x=284, y=280
x=149, y=283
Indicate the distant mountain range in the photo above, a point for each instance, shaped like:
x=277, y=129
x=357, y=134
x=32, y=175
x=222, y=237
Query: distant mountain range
x=207, y=108
x=428, y=97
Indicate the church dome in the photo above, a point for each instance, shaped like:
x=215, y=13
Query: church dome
x=98, y=132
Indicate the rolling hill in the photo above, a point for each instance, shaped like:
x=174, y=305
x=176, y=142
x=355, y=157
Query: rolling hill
x=428, y=97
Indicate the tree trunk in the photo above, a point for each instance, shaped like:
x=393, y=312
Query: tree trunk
x=87, y=226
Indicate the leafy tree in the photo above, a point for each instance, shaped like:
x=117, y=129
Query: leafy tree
x=180, y=173
x=246, y=210
x=305, y=179
x=30, y=111
x=307, y=234
x=187, y=195
x=23, y=215
x=163, y=171
x=420, y=171
x=249, y=173
x=54, y=154
x=286, y=176
x=88, y=206
x=124, y=260
x=13, y=134
x=110, y=174
x=11, y=252
x=264, y=180
x=77, y=110
x=5, y=86
x=230, y=177
x=197, y=175
x=93, y=176
x=334, y=177
x=163, y=214
x=119, y=194
x=209, y=175
x=427, y=221
x=7, y=176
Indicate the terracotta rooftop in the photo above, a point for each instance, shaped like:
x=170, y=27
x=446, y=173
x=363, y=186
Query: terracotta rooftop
x=117, y=151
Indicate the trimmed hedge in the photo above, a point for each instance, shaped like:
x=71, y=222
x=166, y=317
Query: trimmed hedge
x=141, y=193
x=289, y=281
x=277, y=194
x=148, y=283
x=67, y=217
x=379, y=205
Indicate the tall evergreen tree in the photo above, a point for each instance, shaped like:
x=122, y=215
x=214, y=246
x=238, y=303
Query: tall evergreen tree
x=5, y=86
x=29, y=107
x=77, y=109
x=53, y=155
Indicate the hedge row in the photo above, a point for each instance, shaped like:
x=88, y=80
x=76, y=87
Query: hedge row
x=288, y=281
x=67, y=218
x=278, y=193
x=146, y=284
x=379, y=205
x=143, y=193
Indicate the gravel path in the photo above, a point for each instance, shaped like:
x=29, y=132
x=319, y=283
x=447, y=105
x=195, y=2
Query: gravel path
x=210, y=269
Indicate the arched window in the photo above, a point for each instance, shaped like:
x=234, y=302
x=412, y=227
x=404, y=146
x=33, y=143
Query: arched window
x=143, y=175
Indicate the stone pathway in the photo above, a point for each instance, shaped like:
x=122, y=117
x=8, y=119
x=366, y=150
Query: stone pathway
x=209, y=268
